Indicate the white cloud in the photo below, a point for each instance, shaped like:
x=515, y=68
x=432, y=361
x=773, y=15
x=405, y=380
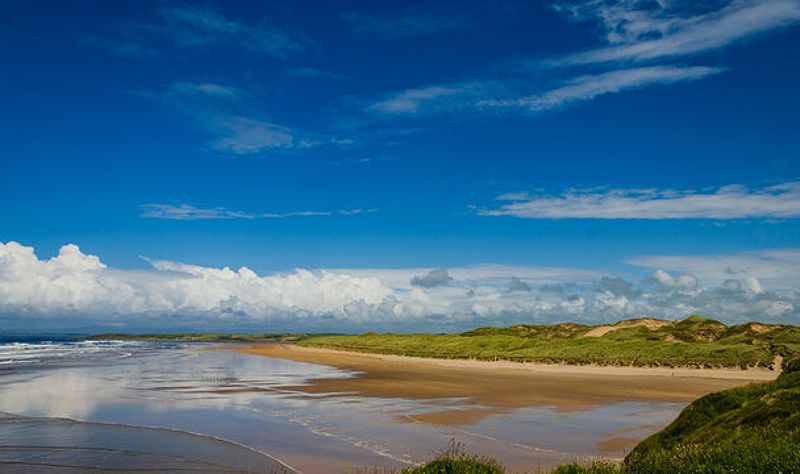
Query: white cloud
x=245, y=135
x=727, y=202
x=75, y=283
x=641, y=30
x=684, y=281
x=275, y=215
x=427, y=99
x=356, y=211
x=491, y=96
x=74, y=286
x=188, y=212
x=224, y=112
x=585, y=88
x=481, y=275
x=635, y=31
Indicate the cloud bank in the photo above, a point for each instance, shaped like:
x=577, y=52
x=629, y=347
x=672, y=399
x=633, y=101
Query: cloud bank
x=432, y=279
x=77, y=288
x=727, y=202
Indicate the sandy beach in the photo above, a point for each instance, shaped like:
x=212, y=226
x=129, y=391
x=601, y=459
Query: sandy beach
x=490, y=388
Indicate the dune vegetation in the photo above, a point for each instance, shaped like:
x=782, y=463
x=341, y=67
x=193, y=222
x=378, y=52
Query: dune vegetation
x=692, y=342
x=750, y=429
x=455, y=459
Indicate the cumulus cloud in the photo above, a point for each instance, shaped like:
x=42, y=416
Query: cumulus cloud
x=481, y=275
x=432, y=279
x=727, y=202
x=684, y=281
x=77, y=283
x=74, y=286
x=518, y=285
x=615, y=286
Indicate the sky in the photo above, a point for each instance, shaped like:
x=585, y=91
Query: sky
x=436, y=166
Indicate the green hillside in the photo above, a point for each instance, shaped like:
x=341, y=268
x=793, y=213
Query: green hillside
x=692, y=342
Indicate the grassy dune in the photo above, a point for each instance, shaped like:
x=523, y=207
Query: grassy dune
x=692, y=342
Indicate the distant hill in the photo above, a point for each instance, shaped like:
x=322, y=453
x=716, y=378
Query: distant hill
x=691, y=342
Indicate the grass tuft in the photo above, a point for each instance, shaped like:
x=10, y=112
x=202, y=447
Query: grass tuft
x=455, y=460
x=596, y=467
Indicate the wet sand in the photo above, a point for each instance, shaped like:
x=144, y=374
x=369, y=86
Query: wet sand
x=50, y=445
x=491, y=388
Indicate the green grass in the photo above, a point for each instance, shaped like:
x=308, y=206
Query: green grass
x=455, y=460
x=596, y=467
x=692, y=342
x=755, y=428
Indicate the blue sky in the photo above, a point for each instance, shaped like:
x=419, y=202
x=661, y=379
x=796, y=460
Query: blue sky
x=389, y=141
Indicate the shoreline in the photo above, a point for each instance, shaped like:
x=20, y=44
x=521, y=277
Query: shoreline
x=274, y=464
x=749, y=374
x=479, y=389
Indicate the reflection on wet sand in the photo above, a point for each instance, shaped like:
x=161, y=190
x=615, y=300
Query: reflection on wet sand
x=486, y=391
x=319, y=418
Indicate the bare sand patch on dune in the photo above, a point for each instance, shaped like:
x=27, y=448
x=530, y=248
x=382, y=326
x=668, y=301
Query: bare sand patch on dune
x=649, y=323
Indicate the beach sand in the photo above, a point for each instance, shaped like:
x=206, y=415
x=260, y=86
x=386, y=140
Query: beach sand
x=491, y=388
